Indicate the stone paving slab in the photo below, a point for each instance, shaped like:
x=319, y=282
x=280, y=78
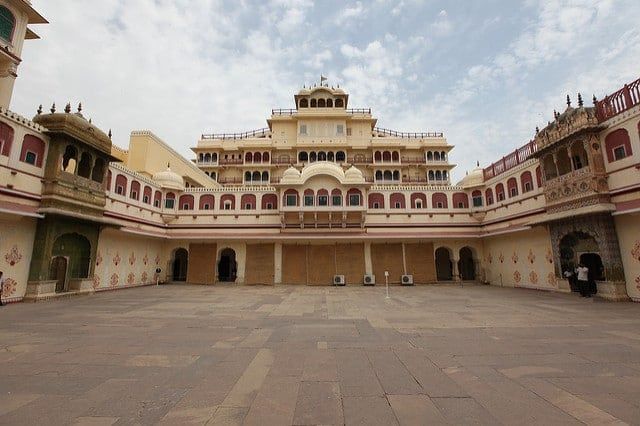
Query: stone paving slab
x=230, y=355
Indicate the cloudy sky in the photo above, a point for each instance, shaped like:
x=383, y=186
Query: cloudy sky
x=483, y=72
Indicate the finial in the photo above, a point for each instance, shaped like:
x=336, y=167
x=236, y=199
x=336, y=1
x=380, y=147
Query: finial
x=168, y=166
x=53, y=108
x=40, y=109
x=555, y=114
x=67, y=108
x=580, y=102
x=595, y=100
x=109, y=134
x=568, y=102
x=537, y=130
x=477, y=163
x=80, y=107
x=89, y=120
x=338, y=86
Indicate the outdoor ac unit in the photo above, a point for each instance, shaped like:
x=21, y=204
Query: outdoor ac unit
x=407, y=280
x=339, y=280
x=369, y=279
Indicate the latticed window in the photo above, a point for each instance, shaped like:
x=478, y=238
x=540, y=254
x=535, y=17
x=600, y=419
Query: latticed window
x=7, y=23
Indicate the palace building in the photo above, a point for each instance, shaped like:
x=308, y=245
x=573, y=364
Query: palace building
x=319, y=196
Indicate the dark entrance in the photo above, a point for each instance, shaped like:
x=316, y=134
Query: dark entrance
x=580, y=247
x=594, y=263
x=444, y=266
x=180, y=264
x=227, y=266
x=58, y=272
x=466, y=264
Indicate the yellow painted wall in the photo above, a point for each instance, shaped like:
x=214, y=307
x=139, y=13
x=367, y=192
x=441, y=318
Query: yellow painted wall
x=628, y=230
x=16, y=246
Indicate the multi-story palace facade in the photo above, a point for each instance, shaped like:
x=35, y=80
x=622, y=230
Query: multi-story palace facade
x=320, y=195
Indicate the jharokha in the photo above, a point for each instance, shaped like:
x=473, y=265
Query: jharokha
x=319, y=196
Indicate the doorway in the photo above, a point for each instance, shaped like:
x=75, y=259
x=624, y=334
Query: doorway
x=58, y=272
x=593, y=261
x=466, y=264
x=227, y=266
x=180, y=264
x=444, y=266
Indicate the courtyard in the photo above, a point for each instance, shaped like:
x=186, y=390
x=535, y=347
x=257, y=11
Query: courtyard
x=183, y=354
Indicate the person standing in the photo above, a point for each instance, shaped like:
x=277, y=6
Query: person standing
x=583, y=280
x=1, y=286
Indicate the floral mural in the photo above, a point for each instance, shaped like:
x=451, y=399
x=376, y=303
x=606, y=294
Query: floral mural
x=116, y=259
x=635, y=252
x=549, y=256
x=517, y=277
x=531, y=257
x=551, y=279
x=145, y=259
x=131, y=278
x=9, y=287
x=490, y=258
x=13, y=256
x=501, y=258
x=514, y=257
x=144, y=277
x=114, y=280
x=98, y=258
x=533, y=277
x=132, y=259
x=96, y=281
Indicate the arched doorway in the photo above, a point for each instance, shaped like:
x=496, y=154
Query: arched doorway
x=58, y=272
x=76, y=251
x=580, y=247
x=466, y=264
x=444, y=266
x=227, y=266
x=180, y=264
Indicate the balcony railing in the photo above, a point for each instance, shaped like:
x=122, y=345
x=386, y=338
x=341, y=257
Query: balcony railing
x=415, y=135
x=291, y=111
x=511, y=160
x=618, y=102
x=225, y=161
x=258, y=133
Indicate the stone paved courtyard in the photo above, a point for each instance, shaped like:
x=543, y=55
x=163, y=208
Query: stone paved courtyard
x=306, y=355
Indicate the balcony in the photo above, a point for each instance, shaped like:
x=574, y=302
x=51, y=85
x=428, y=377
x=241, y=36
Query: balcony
x=382, y=132
x=258, y=133
x=230, y=161
x=618, y=102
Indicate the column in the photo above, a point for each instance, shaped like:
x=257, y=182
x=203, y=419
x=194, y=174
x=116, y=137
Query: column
x=368, y=264
x=277, y=263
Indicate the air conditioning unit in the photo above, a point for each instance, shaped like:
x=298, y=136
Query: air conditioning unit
x=369, y=279
x=339, y=280
x=407, y=280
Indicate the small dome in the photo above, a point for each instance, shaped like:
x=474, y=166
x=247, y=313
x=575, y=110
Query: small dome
x=353, y=174
x=169, y=179
x=474, y=178
x=291, y=175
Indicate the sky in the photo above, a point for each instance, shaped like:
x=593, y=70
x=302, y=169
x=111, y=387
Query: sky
x=485, y=73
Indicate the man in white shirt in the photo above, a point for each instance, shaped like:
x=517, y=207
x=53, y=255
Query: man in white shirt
x=583, y=280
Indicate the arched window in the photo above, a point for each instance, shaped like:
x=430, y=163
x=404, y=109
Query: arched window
x=97, y=174
x=429, y=156
x=376, y=201
x=157, y=199
x=312, y=157
x=248, y=202
x=314, y=103
x=304, y=103
x=265, y=157
x=322, y=156
x=488, y=194
x=248, y=157
x=395, y=157
x=308, y=198
x=386, y=156
x=69, y=159
x=476, y=196
x=396, y=200
x=354, y=197
x=6, y=139
x=330, y=156
x=146, y=195
x=227, y=202
x=257, y=157
x=387, y=175
x=418, y=200
x=460, y=200
x=84, y=167
x=247, y=177
x=329, y=103
x=206, y=202
x=431, y=176
x=207, y=158
x=549, y=165
x=33, y=152
x=323, y=197
x=512, y=187
x=108, y=182
x=439, y=200
x=378, y=175
x=563, y=161
x=377, y=156
x=396, y=175
x=322, y=103
x=170, y=200
x=269, y=202
x=213, y=175
x=438, y=175
x=526, y=181
x=436, y=156
x=265, y=177
x=7, y=24
x=443, y=156
x=445, y=175
x=336, y=197
x=538, y=177
x=186, y=202
x=290, y=197
x=134, y=192
x=201, y=157
x=256, y=177
x=340, y=156
x=339, y=103
x=618, y=145
x=214, y=157
x=500, y=192
x=578, y=154
x=121, y=184
x=303, y=156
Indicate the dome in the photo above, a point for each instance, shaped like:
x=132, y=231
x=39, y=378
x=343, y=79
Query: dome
x=290, y=175
x=474, y=178
x=169, y=179
x=353, y=175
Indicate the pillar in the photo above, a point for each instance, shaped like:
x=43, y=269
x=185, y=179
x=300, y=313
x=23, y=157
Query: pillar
x=277, y=263
x=368, y=264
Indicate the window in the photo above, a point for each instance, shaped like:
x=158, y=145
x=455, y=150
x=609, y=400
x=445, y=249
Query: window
x=354, y=199
x=439, y=205
x=418, y=204
x=134, y=195
x=461, y=205
x=119, y=190
x=514, y=192
x=7, y=24
x=527, y=187
x=500, y=196
x=577, y=162
x=145, y=199
x=308, y=200
x=30, y=158
x=248, y=206
x=269, y=206
x=185, y=206
x=323, y=200
x=156, y=203
x=376, y=205
x=397, y=205
x=619, y=152
x=340, y=130
x=477, y=201
x=169, y=203
x=303, y=129
x=336, y=200
x=206, y=206
x=291, y=200
x=348, y=131
x=227, y=205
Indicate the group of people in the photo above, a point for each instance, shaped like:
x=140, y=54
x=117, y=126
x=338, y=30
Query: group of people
x=583, y=279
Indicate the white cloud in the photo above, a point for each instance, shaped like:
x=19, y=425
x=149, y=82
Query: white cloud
x=350, y=12
x=442, y=26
